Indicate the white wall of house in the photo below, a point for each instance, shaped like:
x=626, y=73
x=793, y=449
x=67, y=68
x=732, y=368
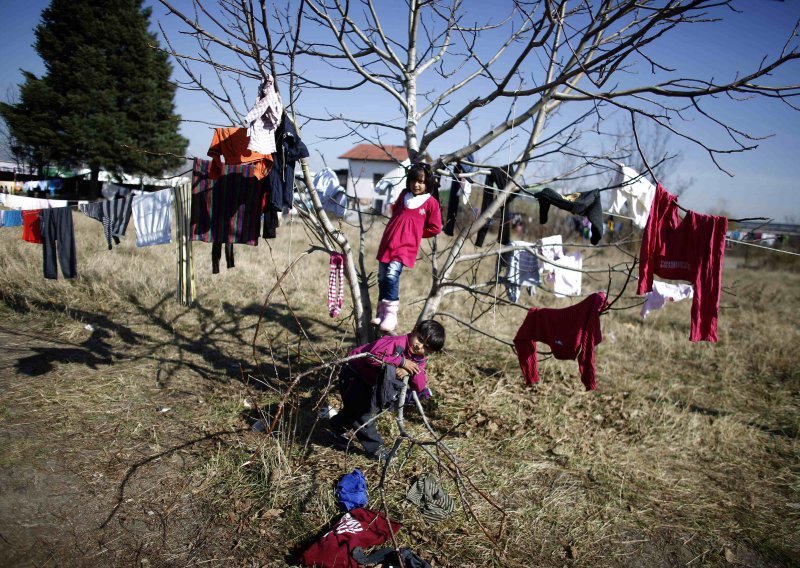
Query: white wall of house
x=363, y=175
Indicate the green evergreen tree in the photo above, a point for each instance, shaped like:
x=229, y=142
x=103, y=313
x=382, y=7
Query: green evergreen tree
x=106, y=100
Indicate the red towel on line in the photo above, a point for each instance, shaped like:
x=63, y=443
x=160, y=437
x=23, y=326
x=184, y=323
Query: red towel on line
x=32, y=226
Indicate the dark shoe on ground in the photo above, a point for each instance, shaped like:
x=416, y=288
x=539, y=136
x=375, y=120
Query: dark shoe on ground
x=339, y=440
x=380, y=455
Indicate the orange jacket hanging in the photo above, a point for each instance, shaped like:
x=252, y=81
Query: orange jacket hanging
x=231, y=143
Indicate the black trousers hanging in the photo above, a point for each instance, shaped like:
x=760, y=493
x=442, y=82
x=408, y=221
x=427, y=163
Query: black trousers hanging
x=216, y=254
x=495, y=182
x=58, y=236
x=271, y=222
x=452, y=203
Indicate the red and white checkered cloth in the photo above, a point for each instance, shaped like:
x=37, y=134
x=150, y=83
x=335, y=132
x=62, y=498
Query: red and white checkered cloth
x=336, y=284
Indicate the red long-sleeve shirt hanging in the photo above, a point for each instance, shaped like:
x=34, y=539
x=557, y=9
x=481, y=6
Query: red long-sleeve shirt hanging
x=571, y=333
x=690, y=249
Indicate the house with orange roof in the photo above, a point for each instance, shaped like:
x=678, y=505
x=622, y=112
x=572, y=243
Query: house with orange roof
x=366, y=165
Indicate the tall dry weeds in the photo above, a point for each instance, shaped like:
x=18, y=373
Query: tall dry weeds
x=685, y=455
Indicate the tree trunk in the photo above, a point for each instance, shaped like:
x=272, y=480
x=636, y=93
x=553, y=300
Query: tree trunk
x=437, y=289
x=339, y=239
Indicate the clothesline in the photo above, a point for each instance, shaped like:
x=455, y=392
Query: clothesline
x=73, y=203
x=524, y=192
x=738, y=242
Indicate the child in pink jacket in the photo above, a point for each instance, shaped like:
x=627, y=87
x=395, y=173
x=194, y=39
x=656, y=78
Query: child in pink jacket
x=415, y=216
x=359, y=379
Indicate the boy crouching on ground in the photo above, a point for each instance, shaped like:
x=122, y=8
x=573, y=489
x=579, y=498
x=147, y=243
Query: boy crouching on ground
x=358, y=380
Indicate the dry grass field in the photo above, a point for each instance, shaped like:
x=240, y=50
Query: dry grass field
x=126, y=440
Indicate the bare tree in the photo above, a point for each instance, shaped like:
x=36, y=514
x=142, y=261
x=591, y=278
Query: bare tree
x=442, y=75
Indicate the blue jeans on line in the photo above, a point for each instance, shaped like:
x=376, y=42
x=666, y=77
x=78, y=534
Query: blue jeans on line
x=389, y=280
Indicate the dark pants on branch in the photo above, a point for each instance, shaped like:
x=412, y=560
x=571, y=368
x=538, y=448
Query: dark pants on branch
x=357, y=409
x=57, y=228
x=216, y=254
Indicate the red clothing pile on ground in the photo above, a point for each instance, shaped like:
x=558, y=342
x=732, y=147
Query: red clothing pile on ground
x=360, y=527
x=406, y=229
x=32, y=226
x=231, y=143
x=690, y=249
x=570, y=332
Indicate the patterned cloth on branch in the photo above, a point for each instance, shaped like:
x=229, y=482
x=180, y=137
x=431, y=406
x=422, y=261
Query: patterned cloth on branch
x=336, y=284
x=227, y=209
x=427, y=494
x=262, y=120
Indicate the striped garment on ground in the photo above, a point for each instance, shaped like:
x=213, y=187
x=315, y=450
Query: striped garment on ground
x=427, y=494
x=182, y=200
x=227, y=209
x=336, y=284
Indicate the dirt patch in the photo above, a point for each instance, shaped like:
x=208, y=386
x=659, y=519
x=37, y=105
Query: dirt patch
x=84, y=482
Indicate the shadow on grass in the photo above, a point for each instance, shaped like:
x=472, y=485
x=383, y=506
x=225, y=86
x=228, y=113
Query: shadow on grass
x=92, y=352
x=218, y=348
x=789, y=432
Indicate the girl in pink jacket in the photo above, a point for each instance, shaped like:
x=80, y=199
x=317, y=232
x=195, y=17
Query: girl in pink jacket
x=415, y=216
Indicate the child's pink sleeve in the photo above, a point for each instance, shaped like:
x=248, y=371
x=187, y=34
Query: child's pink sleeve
x=385, y=349
x=419, y=381
x=433, y=222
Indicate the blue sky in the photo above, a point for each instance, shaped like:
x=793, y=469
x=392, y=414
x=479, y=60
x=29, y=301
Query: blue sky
x=765, y=181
